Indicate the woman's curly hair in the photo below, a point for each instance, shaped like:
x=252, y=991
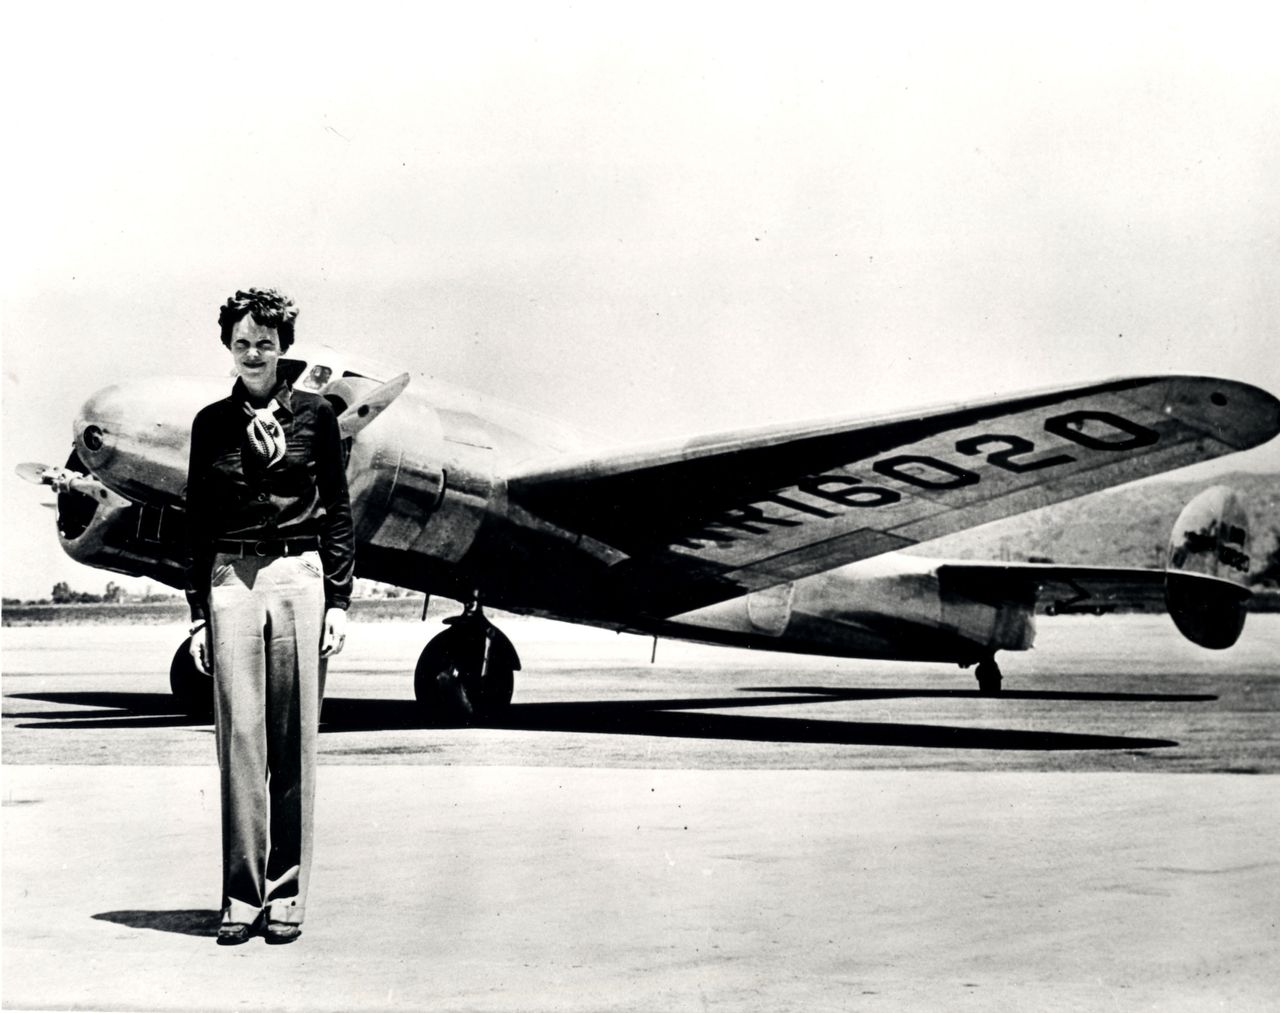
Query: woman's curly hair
x=269, y=307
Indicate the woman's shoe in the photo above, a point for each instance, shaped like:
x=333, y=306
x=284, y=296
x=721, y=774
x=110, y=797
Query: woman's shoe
x=279, y=933
x=234, y=933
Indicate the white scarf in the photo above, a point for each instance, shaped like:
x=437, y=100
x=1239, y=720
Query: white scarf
x=266, y=435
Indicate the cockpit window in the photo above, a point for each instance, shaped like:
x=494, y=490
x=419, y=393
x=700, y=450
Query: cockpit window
x=317, y=378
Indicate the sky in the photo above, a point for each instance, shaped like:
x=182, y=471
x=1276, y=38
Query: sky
x=651, y=222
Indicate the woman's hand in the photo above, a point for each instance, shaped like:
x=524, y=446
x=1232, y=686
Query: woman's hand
x=201, y=648
x=335, y=632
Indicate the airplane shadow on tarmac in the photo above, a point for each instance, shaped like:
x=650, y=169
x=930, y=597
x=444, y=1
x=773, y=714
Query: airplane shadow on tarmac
x=684, y=719
x=672, y=718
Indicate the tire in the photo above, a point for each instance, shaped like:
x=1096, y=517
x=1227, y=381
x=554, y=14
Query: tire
x=447, y=681
x=440, y=685
x=192, y=689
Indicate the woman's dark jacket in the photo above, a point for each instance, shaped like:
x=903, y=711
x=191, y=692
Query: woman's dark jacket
x=232, y=495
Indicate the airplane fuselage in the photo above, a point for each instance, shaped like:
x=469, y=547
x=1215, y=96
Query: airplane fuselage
x=430, y=505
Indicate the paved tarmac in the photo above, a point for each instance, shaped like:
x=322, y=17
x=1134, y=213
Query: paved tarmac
x=722, y=830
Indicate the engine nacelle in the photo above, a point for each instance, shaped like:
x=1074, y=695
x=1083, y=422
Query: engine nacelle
x=1210, y=539
x=109, y=532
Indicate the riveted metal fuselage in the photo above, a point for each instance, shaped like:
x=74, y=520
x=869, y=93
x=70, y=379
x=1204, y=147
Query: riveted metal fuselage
x=431, y=511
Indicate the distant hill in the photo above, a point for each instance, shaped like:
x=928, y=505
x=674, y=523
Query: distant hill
x=1128, y=526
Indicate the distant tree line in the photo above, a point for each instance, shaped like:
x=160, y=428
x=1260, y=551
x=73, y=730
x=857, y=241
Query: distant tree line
x=64, y=595
x=113, y=594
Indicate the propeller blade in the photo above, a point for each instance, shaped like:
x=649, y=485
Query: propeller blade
x=62, y=480
x=365, y=411
x=31, y=471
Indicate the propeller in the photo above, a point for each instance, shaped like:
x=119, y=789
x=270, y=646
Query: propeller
x=369, y=408
x=30, y=471
x=62, y=480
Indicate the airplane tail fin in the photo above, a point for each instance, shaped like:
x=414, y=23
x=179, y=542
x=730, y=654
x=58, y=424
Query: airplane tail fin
x=1210, y=539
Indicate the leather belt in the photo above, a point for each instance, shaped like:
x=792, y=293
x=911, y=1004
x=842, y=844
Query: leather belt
x=267, y=546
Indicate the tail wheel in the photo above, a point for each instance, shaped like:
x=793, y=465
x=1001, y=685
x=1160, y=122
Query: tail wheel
x=192, y=689
x=989, y=678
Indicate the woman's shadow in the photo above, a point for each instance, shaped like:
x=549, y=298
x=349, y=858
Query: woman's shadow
x=189, y=922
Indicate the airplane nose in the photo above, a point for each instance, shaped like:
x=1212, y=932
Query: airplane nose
x=135, y=436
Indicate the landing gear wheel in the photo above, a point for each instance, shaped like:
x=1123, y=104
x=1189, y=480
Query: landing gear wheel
x=440, y=682
x=192, y=689
x=465, y=676
x=989, y=678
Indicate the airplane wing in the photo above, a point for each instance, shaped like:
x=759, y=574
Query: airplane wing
x=691, y=523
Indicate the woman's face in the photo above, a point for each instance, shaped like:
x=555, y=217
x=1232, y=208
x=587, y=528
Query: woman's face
x=256, y=352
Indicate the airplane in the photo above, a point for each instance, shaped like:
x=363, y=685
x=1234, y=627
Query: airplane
x=785, y=537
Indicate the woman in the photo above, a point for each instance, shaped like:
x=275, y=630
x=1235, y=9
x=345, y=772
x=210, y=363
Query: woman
x=272, y=561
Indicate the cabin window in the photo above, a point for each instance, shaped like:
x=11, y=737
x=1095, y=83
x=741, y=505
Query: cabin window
x=317, y=377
